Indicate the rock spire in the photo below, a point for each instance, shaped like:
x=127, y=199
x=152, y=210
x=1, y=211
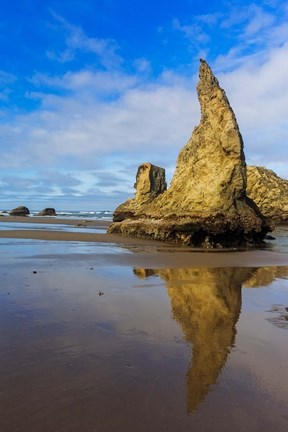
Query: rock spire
x=206, y=204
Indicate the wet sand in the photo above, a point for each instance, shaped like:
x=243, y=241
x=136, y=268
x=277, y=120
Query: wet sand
x=153, y=254
x=103, y=333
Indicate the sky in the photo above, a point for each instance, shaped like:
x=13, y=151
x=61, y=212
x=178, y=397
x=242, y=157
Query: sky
x=91, y=89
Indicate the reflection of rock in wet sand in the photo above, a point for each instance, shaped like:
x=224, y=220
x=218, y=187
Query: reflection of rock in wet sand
x=206, y=303
x=207, y=307
x=264, y=276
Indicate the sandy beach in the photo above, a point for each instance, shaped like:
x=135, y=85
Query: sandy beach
x=106, y=333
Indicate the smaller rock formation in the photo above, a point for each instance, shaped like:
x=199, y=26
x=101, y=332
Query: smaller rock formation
x=269, y=192
x=206, y=204
x=150, y=182
x=19, y=211
x=49, y=211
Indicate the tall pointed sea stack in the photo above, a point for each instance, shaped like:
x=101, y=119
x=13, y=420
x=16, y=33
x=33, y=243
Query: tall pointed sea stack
x=206, y=204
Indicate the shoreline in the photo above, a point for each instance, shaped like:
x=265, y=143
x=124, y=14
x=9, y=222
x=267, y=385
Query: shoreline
x=141, y=252
x=50, y=220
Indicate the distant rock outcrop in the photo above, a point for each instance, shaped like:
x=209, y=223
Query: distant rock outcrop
x=150, y=182
x=49, y=211
x=206, y=204
x=269, y=192
x=19, y=211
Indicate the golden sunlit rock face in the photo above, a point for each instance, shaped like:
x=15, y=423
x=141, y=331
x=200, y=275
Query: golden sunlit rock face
x=150, y=182
x=206, y=204
x=206, y=303
x=269, y=192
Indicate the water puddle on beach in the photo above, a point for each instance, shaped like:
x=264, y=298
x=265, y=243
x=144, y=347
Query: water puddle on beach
x=87, y=347
x=79, y=227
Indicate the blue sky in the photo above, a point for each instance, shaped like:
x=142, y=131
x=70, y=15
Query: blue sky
x=91, y=89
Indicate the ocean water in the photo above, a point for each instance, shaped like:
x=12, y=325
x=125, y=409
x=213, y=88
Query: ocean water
x=74, y=214
x=280, y=240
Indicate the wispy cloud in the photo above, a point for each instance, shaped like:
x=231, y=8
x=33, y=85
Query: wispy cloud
x=75, y=41
x=258, y=21
x=139, y=120
x=6, y=82
x=243, y=30
x=95, y=82
x=6, y=78
x=193, y=32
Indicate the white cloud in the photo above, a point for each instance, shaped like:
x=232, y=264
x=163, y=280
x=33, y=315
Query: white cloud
x=247, y=32
x=210, y=19
x=142, y=65
x=6, y=81
x=193, y=32
x=76, y=40
x=258, y=94
x=102, y=82
x=259, y=21
x=6, y=78
x=140, y=120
